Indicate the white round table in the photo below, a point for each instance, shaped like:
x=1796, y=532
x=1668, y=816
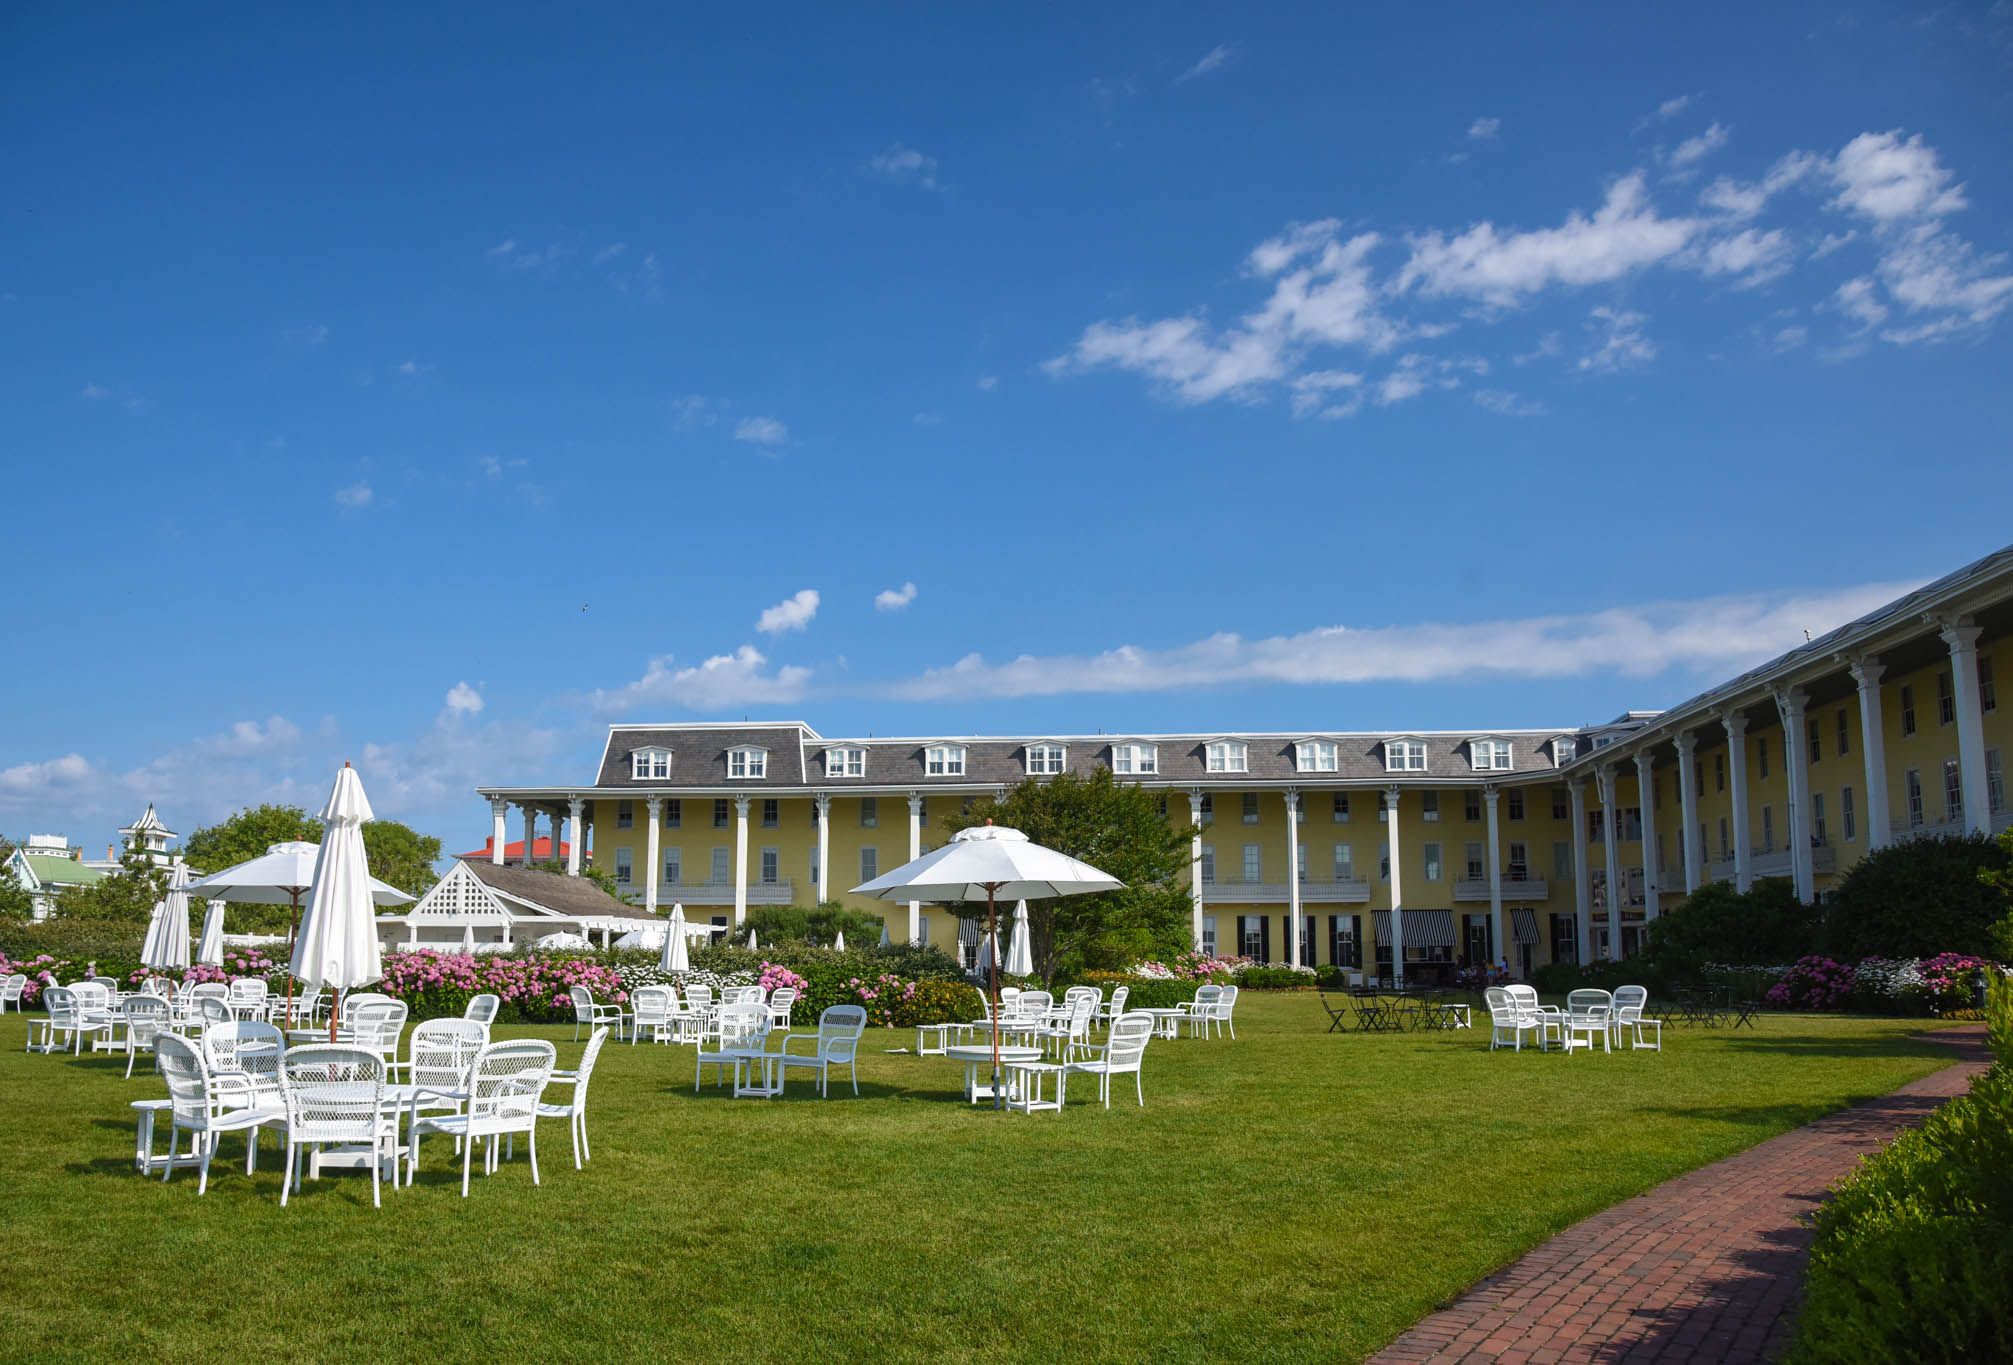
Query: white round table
x=975, y=1057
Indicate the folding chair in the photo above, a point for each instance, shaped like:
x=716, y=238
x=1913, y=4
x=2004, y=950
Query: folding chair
x=1337, y=1019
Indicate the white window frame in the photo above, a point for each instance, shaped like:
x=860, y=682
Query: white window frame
x=1253, y=866
x=1207, y=864
x=1339, y=808
x=1227, y=756
x=1135, y=759
x=625, y=866
x=1250, y=808
x=870, y=862
x=1563, y=750
x=944, y=760
x=650, y=765
x=846, y=760
x=1344, y=863
x=1404, y=755
x=748, y=763
x=1315, y=756
x=674, y=865
x=1490, y=755
x=1046, y=760
x=769, y=866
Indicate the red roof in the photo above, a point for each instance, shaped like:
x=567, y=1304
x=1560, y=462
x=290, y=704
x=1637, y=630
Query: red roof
x=513, y=852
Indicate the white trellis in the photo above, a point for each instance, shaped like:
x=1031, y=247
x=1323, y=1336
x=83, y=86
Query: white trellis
x=456, y=905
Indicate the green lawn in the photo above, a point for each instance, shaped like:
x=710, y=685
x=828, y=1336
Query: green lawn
x=1288, y=1195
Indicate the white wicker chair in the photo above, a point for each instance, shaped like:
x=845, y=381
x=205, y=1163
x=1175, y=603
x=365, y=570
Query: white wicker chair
x=574, y=1111
x=654, y=1008
x=248, y=1048
x=1589, y=1014
x=67, y=1016
x=335, y=1096
x=207, y=1105
x=781, y=1001
x=377, y=1026
x=1201, y=1011
x=482, y=1008
x=504, y=1085
x=590, y=1016
x=1113, y=1009
x=1070, y=1035
x=11, y=990
x=1507, y=1023
x=158, y=986
x=1630, y=1002
x=298, y=1011
x=440, y=1051
x=836, y=1043
x=247, y=997
x=1551, y=1019
x=736, y=1030
x=147, y=1017
x=1123, y=1051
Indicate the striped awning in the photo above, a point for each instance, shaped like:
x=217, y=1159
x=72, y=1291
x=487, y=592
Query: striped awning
x=1524, y=924
x=1423, y=928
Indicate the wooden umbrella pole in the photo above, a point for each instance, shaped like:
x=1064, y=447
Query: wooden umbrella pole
x=293, y=927
x=993, y=956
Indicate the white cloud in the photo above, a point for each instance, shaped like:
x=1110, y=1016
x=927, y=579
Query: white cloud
x=693, y=411
x=609, y=252
x=1507, y=404
x=1755, y=256
x=355, y=496
x=1408, y=380
x=1622, y=344
x=306, y=337
x=1485, y=129
x=1696, y=149
x=1928, y=270
x=1855, y=299
x=1209, y=61
x=907, y=164
x=792, y=613
x=988, y=382
x=507, y=255
x=761, y=431
x=1328, y=394
x=463, y=700
x=723, y=681
x=248, y=737
x=1883, y=178
x=894, y=599
x=1790, y=338
x=1743, y=200
x=1710, y=636
x=1672, y=107
x=48, y=775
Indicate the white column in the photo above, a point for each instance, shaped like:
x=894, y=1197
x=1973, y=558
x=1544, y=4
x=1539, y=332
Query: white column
x=1495, y=865
x=530, y=832
x=916, y=851
x=1583, y=900
x=1736, y=760
x=1789, y=704
x=653, y=809
x=740, y=860
x=1397, y=890
x=499, y=810
x=575, y=830
x=1646, y=801
x=1195, y=865
x=1962, y=637
x=1687, y=776
x=823, y=802
x=1866, y=671
x=1293, y=877
x=1611, y=839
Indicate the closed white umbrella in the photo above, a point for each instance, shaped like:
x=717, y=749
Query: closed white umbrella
x=167, y=945
x=337, y=943
x=884, y=933
x=752, y=945
x=839, y=941
x=1020, y=953
x=468, y=939
x=210, y=952
x=677, y=957
x=990, y=861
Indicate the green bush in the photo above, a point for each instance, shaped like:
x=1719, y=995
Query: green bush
x=775, y=925
x=1914, y=1254
x=1921, y=897
x=1719, y=924
x=1275, y=979
x=78, y=940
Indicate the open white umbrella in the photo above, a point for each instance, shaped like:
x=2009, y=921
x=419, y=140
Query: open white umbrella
x=839, y=941
x=1020, y=953
x=210, y=952
x=167, y=945
x=677, y=957
x=337, y=943
x=559, y=943
x=989, y=861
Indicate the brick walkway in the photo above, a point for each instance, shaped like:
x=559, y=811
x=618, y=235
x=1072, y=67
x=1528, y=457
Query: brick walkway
x=1706, y=1267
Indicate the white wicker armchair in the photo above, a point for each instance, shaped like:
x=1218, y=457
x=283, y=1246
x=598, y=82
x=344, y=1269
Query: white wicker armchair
x=504, y=1086
x=574, y=1111
x=11, y=991
x=147, y=1017
x=836, y=1043
x=1123, y=1051
x=590, y=1016
x=335, y=1097
x=207, y=1105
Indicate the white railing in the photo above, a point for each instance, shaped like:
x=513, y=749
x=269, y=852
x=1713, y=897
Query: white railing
x=715, y=893
x=1278, y=893
x=1514, y=889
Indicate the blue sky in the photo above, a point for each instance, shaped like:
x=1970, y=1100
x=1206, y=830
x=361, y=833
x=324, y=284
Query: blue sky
x=428, y=388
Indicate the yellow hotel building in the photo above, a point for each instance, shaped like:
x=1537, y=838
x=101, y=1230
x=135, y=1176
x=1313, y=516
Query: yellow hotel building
x=1399, y=853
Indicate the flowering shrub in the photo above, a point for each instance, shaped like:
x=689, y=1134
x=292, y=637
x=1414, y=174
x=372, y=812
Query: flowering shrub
x=775, y=975
x=894, y=1002
x=532, y=989
x=1190, y=966
x=1812, y=983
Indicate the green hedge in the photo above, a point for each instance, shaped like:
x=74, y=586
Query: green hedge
x=1913, y=1259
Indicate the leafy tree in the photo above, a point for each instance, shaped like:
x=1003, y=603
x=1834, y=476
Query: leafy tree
x=1921, y=897
x=1118, y=828
x=2000, y=879
x=1716, y=923
x=397, y=854
x=15, y=902
x=127, y=896
x=821, y=924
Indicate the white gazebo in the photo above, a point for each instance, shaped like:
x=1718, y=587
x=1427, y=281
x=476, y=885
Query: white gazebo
x=502, y=907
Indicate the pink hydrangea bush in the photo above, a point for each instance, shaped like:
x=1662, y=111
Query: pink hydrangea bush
x=1813, y=983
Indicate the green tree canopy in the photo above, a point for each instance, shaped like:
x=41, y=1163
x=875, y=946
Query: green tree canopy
x=1118, y=828
x=15, y=902
x=127, y=896
x=821, y=923
x=1921, y=897
x=1717, y=924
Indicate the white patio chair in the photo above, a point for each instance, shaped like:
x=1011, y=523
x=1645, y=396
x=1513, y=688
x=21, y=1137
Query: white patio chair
x=207, y=1106
x=158, y=986
x=147, y=1017
x=335, y=1097
x=361, y=998
x=836, y=1043
x=574, y=1111
x=590, y=1016
x=1070, y=1035
x=109, y=983
x=1091, y=993
x=1224, y=1015
x=1114, y=1008
x=781, y=1001
x=1200, y=1012
x=1123, y=1050
x=377, y=1026
x=211, y=1012
x=11, y=991
x=68, y=1017
x=1589, y=1013
x=504, y=1085
x=482, y=1007
x=297, y=1011
x=247, y=997
x=737, y=1030
x=248, y=1048
x=1507, y=1023
x=652, y=1008
x=1630, y=1002
x=1551, y=1019
x=97, y=1007
x=184, y=1002
x=741, y=995
x=440, y=1051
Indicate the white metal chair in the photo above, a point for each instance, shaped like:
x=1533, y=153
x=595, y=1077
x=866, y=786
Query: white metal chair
x=482, y=1008
x=1630, y=1002
x=1224, y=1013
x=1551, y=1019
x=1090, y=993
x=1201, y=1011
x=590, y=1016
x=504, y=1085
x=1507, y=1023
x=97, y=1006
x=574, y=1111
x=737, y=1030
x=67, y=1016
x=781, y=1001
x=653, y=1008
x=1123, y=1050
x=11, y=990
x=147, y=1017
x=837, y=1043
x=1589, y=1015
x=1113, y=1009
x=334, y=1096
x=207, y=1105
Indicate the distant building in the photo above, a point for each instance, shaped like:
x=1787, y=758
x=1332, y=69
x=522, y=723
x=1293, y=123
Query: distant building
x=492, y=907
x=513, y=852
x=47, y=864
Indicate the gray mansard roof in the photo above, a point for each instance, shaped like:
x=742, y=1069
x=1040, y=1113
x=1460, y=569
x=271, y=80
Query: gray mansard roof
x=797, y=757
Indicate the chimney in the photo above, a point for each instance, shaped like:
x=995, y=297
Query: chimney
x=111, y=853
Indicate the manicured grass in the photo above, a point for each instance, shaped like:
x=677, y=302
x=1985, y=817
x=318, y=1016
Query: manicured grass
x=1289, y=1195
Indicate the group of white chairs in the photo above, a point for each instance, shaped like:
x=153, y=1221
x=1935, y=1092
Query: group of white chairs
x=1589, y=1017
x=745, y=1035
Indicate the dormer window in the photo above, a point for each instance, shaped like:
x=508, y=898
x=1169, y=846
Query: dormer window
x=748, y=761
x=1314, y=756
x=1404, y=756
x=1490, y=755
x=1045, y=760
x=1564, y=750
x=944, y=760
x=1138, y=760
x=647, y=765
x=1227, y=756
x=845, y=761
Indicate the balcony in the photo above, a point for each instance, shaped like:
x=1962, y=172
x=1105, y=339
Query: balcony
x=1524, y=888
x=690, y=894
x=1278, y=893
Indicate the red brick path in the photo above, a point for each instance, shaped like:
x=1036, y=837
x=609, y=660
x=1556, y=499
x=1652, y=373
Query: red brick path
x=1706, y=1267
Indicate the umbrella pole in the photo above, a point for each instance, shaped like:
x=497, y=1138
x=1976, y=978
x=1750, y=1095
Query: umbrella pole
x=994, y=956
x=292, y=925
